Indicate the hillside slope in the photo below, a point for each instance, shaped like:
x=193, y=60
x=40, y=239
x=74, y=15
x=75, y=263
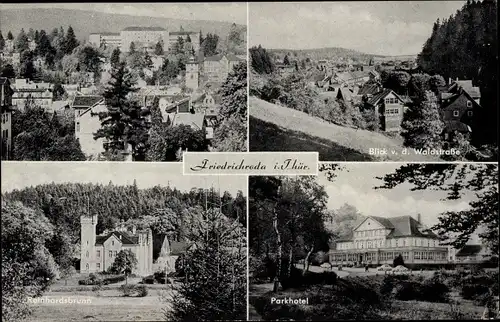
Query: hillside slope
x=277, y=128
x=87, y=22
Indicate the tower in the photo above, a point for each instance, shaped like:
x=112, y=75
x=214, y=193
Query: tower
x=192, y=73
x=87, y=243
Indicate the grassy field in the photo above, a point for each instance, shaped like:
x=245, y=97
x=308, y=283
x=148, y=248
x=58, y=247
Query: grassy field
x=107, y=304
x=277, y=128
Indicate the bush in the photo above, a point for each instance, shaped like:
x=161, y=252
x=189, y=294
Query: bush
x=114, y=279
x=142, y=291
x=406, y=288
x=127, y=289
x=320, y=258
x=150, y=279
x=297, y=279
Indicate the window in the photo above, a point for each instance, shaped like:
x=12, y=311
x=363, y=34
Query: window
x=115, y=253
x=98, y=266
x=469, y=113
x=87, y=266
x=455, y=113
x=113, y=243
x=110, y=253
x=78, y=126
x=469, y=104
x=98, y=253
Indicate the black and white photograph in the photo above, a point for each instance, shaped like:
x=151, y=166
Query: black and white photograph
x=120, y=241
x=122, y=81
x=375, y=241
x=375, y=80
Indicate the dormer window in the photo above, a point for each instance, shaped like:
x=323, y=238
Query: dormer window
x=469, y=113
x=469, y=104
x=455, y=113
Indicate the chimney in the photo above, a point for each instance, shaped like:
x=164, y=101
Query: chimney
x=419, y=219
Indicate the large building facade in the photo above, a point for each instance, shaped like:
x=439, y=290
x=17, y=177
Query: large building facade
x=98, y=252
x=144, y=38
x=106, y=39
x=216, y=68
x=379, y=240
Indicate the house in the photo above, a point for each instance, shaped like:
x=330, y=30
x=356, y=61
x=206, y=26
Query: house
x=6, y=106
x=195, y=121
x=216, y=68
x=86, y=109
x=98, y=252
x=345, y=94
x=472, y=254
x=71, y=89
x=37, y=96
x=169, y=253
x=207, y=104
x=378, y=240
x=458, y=107
x=389, y=109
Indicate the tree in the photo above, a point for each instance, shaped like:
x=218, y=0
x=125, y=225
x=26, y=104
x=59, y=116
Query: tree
x=215, y=284
x=260, y=60
x=2, y=41
x=27, y=266
x=8, y=71
x=398, y=82
x=457, y=180
x=44, y=47
x=124, y=123
x=125, y=262
x=234, y=94
x=70, y=42
x=286, y=61
x=422, y=125
x=179, y=46
x=115, y=57
x=131, y=49
x=10, y=36
x=230, y=136
x=156, y=116
x=209, y=45
x=148, y=63
x=27, y=69
x=398, y=260
x=58, y=92
x=159, y=49
x=89, y=59
x=435, y=82
x=165, y=141
x=22, y=43
x=234, y=39
x=417, y=87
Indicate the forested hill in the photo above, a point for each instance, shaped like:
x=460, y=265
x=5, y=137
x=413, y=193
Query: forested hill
x=87, y=22
x=465, y=46
x=63, y=204
x=323, y=53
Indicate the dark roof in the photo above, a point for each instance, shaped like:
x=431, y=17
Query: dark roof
x=369, y=89
x=403, y=226
x=451, y=126
x=86, y=101
x=376, y=98
x=144, y=29
x=126, y=238
x=469, y=250
x=453, y=98
x=467, y=86
x=178, y=248
x=28, y=90
x=193, y=120
x=106, y=33
x=181, y=33
x=344, y=93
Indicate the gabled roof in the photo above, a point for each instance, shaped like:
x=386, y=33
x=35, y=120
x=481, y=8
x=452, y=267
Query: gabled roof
x=369, y=89
x=126, y=238
x=194, y=120
x=381, y=95
x=402, y=226
x=86, y=101
x=469, y=250
x=467, y=86
x=133, y=28
x=454, y=97
x=457, y=126
x=344, y=93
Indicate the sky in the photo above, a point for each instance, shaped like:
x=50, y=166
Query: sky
x=17, y=175
x=228, y=12
x=374, y=27
x=355, y=186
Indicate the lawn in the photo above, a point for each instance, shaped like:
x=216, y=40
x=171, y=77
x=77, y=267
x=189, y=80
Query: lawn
x=278, y=128
x=107, y=305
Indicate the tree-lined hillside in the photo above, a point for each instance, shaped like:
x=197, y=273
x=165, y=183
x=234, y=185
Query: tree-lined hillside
x=63, y=204
x=465, y=46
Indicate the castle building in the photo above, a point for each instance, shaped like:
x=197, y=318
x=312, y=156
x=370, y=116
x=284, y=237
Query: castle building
x=378, y=240
x=144, y=38
x=98, y=252
x=192, y=74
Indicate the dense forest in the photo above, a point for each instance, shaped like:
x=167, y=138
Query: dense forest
x=63, y=204
x=465, y=46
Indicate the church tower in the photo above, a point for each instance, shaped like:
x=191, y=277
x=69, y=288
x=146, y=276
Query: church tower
x=192, y=74
x=87, y=243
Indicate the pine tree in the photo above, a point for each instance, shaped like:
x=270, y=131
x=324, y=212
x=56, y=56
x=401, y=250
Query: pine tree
x=159, y=49
x=124, y=122
x=115, y=57
x=131, y=49
x=2, y=41
x=22, y=43
x=422, y=125
x=156, y=116
x=286, y=61
x=10, y=36
x=70, y=41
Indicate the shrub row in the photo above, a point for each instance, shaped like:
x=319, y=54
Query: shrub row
x=98, y=280
x=133, y=289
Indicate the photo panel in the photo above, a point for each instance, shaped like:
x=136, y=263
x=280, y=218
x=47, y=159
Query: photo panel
x=375, y=80
x=113, y=241
x=122, y=81
x=375, y=241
